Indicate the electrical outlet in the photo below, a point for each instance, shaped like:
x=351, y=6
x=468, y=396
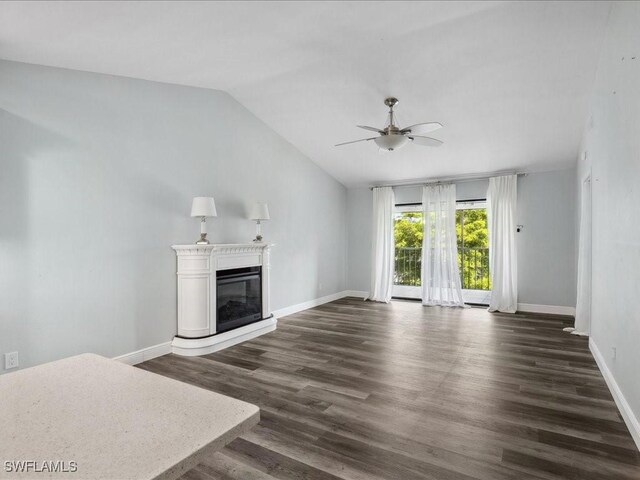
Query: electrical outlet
x=10, y=360
x=613, y=353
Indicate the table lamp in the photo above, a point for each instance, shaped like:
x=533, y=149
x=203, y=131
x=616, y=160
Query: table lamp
x=259, y=213
x=203, y=207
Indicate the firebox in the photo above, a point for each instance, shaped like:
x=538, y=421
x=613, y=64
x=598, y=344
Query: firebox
x=239, y=297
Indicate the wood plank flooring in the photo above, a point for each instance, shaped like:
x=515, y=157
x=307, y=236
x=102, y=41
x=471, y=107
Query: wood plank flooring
x=367, y=391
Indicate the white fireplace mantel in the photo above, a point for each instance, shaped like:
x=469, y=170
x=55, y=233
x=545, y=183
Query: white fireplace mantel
x=196, y=271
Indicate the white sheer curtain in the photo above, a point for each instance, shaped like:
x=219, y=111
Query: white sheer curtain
x=440, y=273
x=382, y=245
x=582, y=324
x=501, y=216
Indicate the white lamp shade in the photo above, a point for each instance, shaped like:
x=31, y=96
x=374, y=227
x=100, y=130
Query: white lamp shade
x=391, y=142
x=203, y=207
x=260, y=212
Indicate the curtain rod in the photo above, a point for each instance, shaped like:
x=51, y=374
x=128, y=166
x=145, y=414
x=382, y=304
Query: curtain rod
x=451, y=179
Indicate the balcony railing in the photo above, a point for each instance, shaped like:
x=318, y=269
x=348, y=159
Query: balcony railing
x=408, y=266
x=474, y=268
x=473, y=264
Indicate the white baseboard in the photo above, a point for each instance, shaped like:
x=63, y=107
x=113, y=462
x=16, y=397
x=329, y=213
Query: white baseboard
x=145, y=354
x=356, y=293
x=148, y=353
x=550, y=309
x=283, y=312
x=629, y=417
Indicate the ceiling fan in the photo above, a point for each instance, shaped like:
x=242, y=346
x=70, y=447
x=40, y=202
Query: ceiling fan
x=391, y=137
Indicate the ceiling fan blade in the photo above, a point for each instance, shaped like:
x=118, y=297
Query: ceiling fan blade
x=422, y=128
x=373, y=129
x=426, y=141
x=354, y=141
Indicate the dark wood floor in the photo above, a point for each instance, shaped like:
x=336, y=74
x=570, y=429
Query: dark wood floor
x=360, y=390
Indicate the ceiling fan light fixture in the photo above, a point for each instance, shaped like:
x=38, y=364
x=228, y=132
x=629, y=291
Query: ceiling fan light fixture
x=392, y=138
x=391, y=142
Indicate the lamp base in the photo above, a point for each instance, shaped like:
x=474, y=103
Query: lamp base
x=258, y=239
x=203, y=240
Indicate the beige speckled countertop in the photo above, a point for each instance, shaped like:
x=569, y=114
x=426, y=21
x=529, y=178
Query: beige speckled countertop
x=113, y=420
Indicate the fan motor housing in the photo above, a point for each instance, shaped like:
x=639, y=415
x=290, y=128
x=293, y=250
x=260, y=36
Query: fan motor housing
x=391, y=102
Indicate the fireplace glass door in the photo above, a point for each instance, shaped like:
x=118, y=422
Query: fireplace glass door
x=239, y=297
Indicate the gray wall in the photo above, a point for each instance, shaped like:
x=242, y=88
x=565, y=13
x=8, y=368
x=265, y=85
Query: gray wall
x=546, y=245
x=471, y=190
x=359, y=218
x=612, y=147
x=98, y=173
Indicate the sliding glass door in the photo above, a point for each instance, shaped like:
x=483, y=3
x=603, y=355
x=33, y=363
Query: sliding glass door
x=408, y=230
x=473, y=251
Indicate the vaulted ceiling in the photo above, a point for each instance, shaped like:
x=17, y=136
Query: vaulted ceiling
x=510, y=81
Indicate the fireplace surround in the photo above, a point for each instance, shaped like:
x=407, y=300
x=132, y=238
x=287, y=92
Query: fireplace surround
x=223, y=296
